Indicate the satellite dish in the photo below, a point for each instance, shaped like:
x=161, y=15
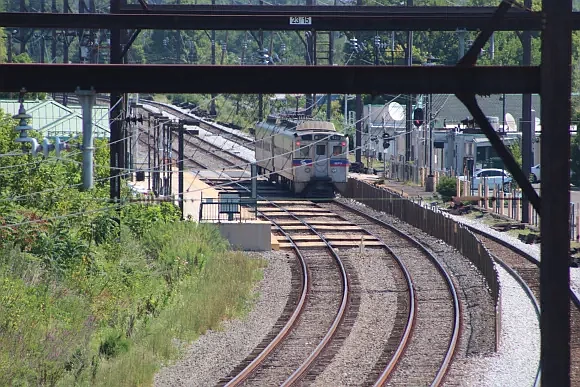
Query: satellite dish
x=396, y=111
x=511, y=123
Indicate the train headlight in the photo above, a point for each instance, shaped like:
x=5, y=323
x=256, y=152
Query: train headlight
x=333, y=170
x=307, y=170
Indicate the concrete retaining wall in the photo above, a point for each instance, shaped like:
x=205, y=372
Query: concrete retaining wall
x=249, y=236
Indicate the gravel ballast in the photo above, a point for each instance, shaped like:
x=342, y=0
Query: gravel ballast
x=216, y=353
x=516, y=362
x=375, y=318
x=520, y=338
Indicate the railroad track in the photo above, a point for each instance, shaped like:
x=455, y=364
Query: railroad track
x=188, y=161
x=228, y=158
x=429, y=350
x=319, y=343
x=240, y=139
x=527, y=268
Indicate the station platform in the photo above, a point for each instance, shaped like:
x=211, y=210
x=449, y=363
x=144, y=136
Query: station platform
x=248, y=235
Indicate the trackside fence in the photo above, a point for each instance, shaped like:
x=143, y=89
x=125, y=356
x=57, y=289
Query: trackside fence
x=436, y=224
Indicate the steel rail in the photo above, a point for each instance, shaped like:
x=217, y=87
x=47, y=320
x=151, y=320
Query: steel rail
x=185, y=158
x=457, y=310
x=213, y=154
x=201, y=123
x=254, y=364
x=296, y=375
x=277, y=341
x=575, y=299
x=411, y=320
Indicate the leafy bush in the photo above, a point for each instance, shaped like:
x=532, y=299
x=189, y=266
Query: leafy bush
x=447, y=188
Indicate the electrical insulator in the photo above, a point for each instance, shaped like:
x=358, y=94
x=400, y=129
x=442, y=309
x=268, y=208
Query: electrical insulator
x=354, y=44
x=134, y=119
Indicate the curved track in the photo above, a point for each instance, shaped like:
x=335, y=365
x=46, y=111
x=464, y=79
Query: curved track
x=240, y=139
x=321, y=313
x=527, y=268
x=302, y=224
x=430, y=349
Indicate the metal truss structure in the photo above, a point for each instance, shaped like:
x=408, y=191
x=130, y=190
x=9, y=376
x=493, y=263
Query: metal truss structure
x=276, y=18
x=552, y=80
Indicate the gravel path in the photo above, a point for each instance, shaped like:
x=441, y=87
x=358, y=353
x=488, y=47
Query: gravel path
x=216, y=353
x=519, y=343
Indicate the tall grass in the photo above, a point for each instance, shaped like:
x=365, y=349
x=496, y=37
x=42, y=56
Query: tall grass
x=221, y=291
x=114, y=317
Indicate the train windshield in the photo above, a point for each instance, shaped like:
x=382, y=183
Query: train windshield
x=337, y=150
x=304, y=151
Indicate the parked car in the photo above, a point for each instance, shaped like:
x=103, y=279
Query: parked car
x=535, y=174
x=491, y=176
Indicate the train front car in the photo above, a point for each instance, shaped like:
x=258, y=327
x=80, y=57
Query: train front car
x=310, y=157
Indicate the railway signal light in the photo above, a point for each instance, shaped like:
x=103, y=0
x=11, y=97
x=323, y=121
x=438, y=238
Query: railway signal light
x=418, y=117
x=386, y=140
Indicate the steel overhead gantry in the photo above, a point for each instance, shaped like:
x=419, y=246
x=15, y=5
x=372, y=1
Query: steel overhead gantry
x=130, y=78
x=552, y=79
x=331, y=18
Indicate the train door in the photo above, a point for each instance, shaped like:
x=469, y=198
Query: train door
x=321, y=160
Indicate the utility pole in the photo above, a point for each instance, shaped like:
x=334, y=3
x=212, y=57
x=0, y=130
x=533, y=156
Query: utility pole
x=87, y=100
x=22, y=31
x=261, y=52
x=80, y=33
x=358, y=114
x=212, y=111
x=181, y=148
x=431, y=124
x=42, y=41
x=409, y=104
x=310, y=59
x=115, y=109
x=377, y=47
x=65, y=44
x=9, y=53
x=528, y=128
x=149, y=154
x=53, y=9
x=330, y=63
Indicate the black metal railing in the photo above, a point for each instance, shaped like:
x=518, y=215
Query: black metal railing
x=227, y=209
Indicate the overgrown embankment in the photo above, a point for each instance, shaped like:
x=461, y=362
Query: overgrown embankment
x=111, y=317
x=101, y=294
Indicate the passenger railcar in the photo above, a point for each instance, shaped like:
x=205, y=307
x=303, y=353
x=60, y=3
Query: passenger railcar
x=310, y=157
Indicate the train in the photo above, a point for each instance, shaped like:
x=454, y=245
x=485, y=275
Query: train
x=307, y=156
